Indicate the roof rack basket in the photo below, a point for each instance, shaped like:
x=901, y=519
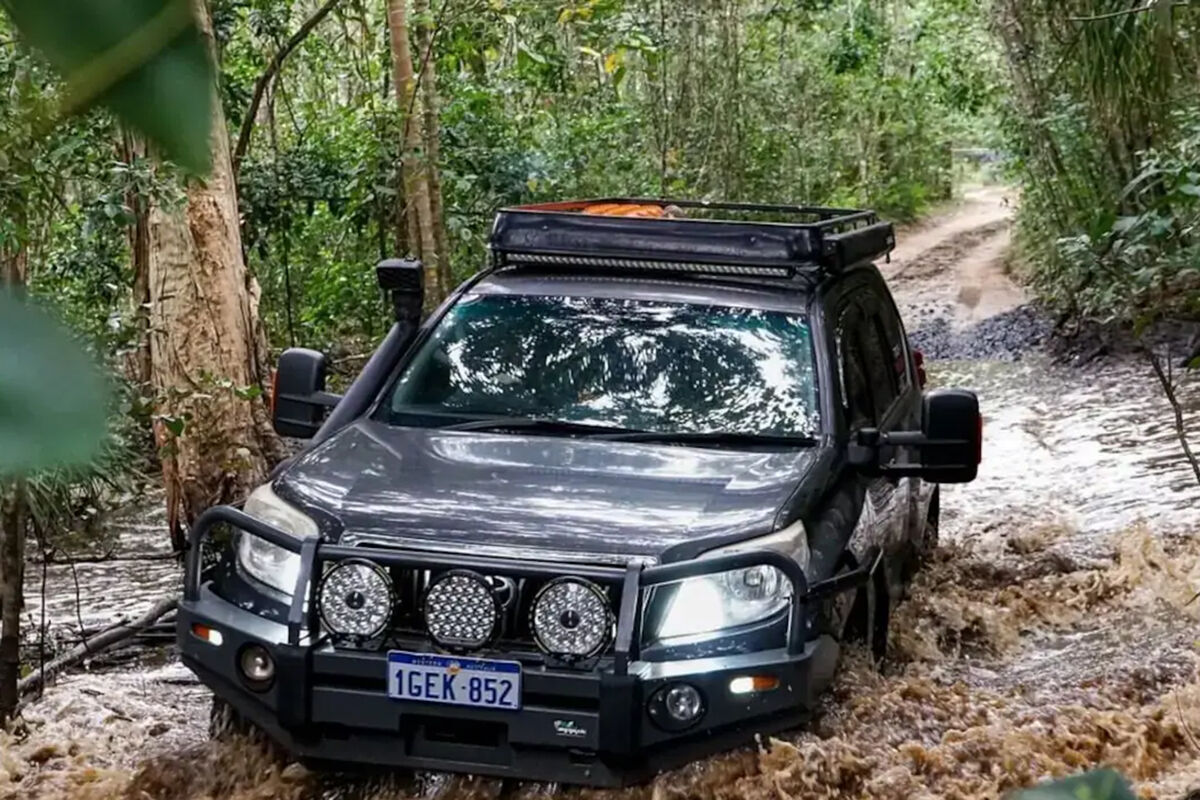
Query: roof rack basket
x=738, y=239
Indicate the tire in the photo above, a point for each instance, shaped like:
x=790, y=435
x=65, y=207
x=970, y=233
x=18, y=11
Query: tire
x=930, y=536
x=224, y=722
x=871, y=616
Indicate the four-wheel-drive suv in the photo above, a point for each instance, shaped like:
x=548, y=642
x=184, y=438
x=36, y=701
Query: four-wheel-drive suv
x=616, y=504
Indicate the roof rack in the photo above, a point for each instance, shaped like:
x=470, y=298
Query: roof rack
x=736, y=239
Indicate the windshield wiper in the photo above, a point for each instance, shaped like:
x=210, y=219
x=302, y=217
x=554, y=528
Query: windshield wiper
x=719, y=438
x=537, y=425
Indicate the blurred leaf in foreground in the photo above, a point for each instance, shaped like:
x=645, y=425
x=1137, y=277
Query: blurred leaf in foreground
x=53, y=402
x=144, y=59
x=1104, y=784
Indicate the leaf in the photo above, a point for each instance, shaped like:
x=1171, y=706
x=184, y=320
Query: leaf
x=53, y=403
x=533, y=55
x=144, y=59
x=1190, y=189
x=247, y=392
x=1105, y=784
x=1123, y=224
x=612, y=61
x=175, y=425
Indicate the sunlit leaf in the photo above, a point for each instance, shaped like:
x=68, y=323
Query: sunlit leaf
x=145, y=59
x=53, y=403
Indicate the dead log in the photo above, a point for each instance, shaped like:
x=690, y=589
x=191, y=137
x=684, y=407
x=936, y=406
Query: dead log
x=98, y=643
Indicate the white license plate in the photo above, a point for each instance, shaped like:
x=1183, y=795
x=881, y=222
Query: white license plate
x=479, y=682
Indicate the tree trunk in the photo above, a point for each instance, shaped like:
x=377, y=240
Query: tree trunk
x=432, y=132
x=14, y=267
x=139, y=248
x=12, y=577
x=417, y=214
x=207, y=344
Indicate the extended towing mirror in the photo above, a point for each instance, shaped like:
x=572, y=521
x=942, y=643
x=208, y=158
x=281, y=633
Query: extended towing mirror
x=948, y=447
x=298, y=397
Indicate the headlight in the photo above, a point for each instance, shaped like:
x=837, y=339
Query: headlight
x=708, y=605
x=723, y=600
x=267, y=563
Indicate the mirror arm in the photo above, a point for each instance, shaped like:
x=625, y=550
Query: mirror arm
x=326, y=399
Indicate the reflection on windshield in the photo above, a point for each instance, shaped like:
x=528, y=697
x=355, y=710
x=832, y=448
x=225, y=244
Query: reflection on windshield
x=652, y=366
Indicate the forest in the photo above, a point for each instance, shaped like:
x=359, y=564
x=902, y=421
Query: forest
x=189, y=187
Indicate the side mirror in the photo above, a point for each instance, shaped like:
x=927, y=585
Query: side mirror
x=298, y=396
x=949, y=444
x=953, y=431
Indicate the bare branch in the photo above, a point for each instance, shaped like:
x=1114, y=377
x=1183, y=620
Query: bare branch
x=1168, y=387
x=264, y=80
x=1149, y=6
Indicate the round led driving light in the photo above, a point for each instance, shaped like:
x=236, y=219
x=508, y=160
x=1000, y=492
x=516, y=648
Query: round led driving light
x=571, y=619
x=462, y=611
x=356, y=599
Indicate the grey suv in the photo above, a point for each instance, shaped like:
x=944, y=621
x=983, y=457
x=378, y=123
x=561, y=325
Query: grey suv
x=617, y=504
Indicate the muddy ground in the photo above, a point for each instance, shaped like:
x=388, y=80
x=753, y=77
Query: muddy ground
x=1055, y=630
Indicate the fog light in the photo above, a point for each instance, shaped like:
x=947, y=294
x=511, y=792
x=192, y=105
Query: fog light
x=257, y=666
x=749, y=684
x=676, y=707
x=684, y=703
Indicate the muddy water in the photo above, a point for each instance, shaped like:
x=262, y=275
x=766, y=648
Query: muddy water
x=1054, y=630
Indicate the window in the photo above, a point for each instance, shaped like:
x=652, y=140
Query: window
x=633, y=364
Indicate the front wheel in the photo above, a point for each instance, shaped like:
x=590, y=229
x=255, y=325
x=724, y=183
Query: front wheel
x=871, y=616
x=224, y=722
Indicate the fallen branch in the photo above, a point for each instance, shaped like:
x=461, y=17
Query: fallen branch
x=106, y=558
x=101, y=641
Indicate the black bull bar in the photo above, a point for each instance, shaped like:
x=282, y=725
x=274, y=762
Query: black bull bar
x=634, y=578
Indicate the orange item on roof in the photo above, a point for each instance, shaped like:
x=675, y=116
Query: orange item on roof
x=624, y=210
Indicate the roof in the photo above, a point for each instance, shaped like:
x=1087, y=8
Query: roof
x=679, y=236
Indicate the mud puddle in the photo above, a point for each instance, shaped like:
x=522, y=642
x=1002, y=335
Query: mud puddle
x=1053, y=631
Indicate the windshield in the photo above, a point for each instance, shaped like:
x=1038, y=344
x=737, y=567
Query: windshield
x=627, y=364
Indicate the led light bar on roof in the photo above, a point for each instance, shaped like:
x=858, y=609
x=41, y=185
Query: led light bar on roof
x=747, y=270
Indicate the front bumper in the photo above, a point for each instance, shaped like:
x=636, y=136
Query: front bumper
x=575, y=726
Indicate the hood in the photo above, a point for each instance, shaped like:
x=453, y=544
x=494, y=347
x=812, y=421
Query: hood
x=553, y=497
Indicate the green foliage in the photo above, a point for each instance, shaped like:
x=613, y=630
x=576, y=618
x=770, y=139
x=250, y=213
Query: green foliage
x=142, y=58
x=818, y=102
x=52, y=399
x=1106, y=127
x=1104, y=784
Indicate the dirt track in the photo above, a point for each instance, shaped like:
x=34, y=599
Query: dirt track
x=1053, y=632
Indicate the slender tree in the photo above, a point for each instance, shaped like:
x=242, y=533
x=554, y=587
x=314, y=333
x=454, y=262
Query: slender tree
x=432, y=132
x=417, y=216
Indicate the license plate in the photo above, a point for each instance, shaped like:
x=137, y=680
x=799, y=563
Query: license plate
x=479, y=682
